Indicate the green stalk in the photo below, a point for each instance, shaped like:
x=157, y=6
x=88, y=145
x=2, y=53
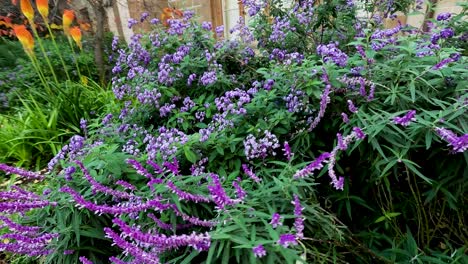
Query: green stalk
x=57, y=49
x=41, y=46
x=74, y=57
x=38, y=70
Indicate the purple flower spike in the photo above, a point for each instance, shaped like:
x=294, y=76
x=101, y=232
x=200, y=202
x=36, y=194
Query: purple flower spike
x=23, y=173
x=287, y=151
x=250, y=173
x=299, y=221
x=276, y=220
x=286, y=240
x=84, y=260
x=345, y=118
x=459, y=144
x=406, y=119
x=259, y=251
x=240, y=193
x=185, y=195
x=218, y=193
x=351, y=107
x=315, y=165
x=359, y=133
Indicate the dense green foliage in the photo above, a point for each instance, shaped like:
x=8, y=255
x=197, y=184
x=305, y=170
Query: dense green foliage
x=232, y=151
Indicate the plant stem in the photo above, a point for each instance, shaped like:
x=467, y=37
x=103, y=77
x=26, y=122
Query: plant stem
x=57, y=50
x=41, y=47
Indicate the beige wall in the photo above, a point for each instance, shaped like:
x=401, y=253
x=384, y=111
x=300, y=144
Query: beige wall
x=442, y=6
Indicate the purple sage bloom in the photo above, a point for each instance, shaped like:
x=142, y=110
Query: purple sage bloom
x=276, y=220
x=459, y=144
x=84, y=260
x=299, y=218
x=259, y=251
x=406, y=119
x=287, y=239
x=352, y=108
x=287, y=151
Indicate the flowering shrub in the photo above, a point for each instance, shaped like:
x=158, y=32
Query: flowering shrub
x=221, y=151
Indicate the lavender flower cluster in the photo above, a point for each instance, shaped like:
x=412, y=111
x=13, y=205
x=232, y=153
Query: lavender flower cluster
x=331, y=52
x=260, y=148
x=165, y=144
x=382, y=38
x=280, y=28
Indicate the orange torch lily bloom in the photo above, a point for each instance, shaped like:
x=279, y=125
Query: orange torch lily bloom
x=75, y=32
x=25, y=37
x=43, y=8
x=27, y=10
x=67, y=19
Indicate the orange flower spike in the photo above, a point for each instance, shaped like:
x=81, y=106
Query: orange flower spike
x=75, y=32
x=179, y=13
x=25, y=38
x=43, y=8
x=67, y=19
x=27, y=9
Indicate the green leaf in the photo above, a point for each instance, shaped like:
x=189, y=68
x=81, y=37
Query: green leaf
x=211, y=252
x=76, y=226
x=227, y=253
x=380, y=219
x=220, y=150
x=428, y=139
x=189, y=258
x=412, y=89
x=190, y=155
x=410, y=166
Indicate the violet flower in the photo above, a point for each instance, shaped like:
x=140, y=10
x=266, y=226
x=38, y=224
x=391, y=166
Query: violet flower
x=250, y=173
x=162, y=242
x=20, y=172
x=299, y=218
x=130, y=249
x=287, y=151
x=259, y=251
x=324, y=101
x=260, y=148
x=185, y=195
x=119, y=209
x=276, y=220
x=240, y=193
x=351, y=107
x=132, y=22
x=345, y=118
x=315, y=165
x=458, y=144
x=139, y=168
x=338, y=182
x=406, y=119
x=443, y=16
x=287, y=239
x=84, y=260
x=218, y=193
x=331, y=52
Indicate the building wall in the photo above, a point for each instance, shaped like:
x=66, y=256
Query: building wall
x=450, y=6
